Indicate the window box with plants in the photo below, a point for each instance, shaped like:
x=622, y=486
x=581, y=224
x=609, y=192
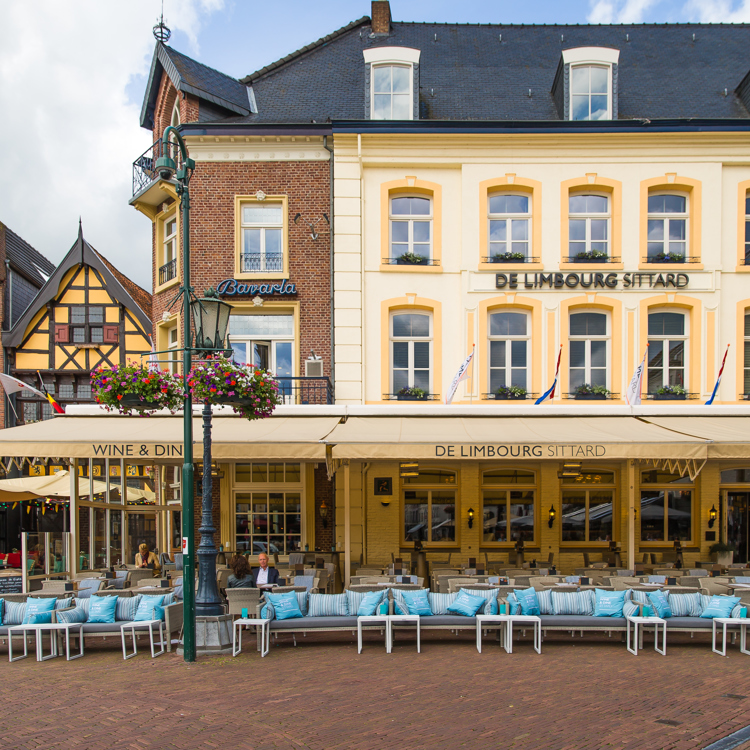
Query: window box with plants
x=411, y=259
x=132, y=389
x=588, y=392
x=510, y=393
x=591, y=256
x=670, y=393
x=722, y=553
x=411, y=394
x=667, y=258
x=508, y=257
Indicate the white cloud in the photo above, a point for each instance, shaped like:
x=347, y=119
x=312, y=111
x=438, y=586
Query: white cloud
x=717, y=11
x=619, y=11
x=68, y=132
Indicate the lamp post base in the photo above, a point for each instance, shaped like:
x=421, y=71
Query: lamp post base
x=213, y=635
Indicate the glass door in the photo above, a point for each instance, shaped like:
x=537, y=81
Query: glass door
x=738, y=504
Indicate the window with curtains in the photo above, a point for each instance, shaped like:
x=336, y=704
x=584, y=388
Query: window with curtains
x=508, y=497
x=430, y=506
x=509, y=342
x=667, y=228
x=411, y=351
x=588, y=506
x=666, y=511
x=589, y=349
x=667, y=344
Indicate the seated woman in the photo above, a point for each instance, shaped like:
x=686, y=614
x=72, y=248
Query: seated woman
x=146, y=559
x=240, y=577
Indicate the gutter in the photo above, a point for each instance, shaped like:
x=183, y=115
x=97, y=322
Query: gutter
x=330, y=268
x=253, y=128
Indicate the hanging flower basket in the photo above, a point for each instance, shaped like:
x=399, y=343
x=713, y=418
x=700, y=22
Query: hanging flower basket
x=132, y=388
x=251, y=392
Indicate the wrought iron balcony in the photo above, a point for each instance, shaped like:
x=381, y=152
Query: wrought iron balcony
x=143, y=167
x=585, y=259
x=261, y=262
x=168, y=271
x=315, y=391
x=671, y=259
x=506, y=258
x=401, y=261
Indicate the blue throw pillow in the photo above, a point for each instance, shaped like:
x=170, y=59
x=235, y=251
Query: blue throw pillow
x=43, y=607
x=630, y=609
x=720, y=606
x=466, y=605
x=514, y=608
x=528, y=600
x=370, y=602
x=418, y=603
x=146, y=607
x=102, y=609
x=489, y=596
x=285, y=606
x=660, y=603
x=609, y=603
x=72, y=615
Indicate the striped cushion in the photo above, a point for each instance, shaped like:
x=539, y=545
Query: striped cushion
x=705, y=601
x=489, y=595
x=2, y=610
x=439, y=603
x=354, y=599
x=545, y=602
x=85, y=603
x=572, y=579
x=267, y=612
x=573, y=602
x=14, y=613
x=630, y=609
x=72, y=615
x=640, y=596
x=126, y=608
x=736, y=611
x=685, y=605
x=328, y=605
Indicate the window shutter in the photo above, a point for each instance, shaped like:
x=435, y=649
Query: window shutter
x=111, y=334
x=62, y=333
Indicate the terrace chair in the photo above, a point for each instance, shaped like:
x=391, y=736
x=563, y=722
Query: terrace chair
x=239, y=599
x=368, y=572
x=296, y=558
x=742, y=579
x=454, y=584
x=178, y=561
x=712, y=587
x=697, y=572
x=88, y=586
x=657, y=579
x=551, y=559
x=121, y=579
x=285, y=589
x=309, y=582
x=626, y=573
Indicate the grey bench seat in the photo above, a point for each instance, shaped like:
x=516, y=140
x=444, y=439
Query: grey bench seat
x=316, y=623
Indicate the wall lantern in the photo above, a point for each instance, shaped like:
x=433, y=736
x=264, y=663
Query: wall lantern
x=471, y=517
x=211, y=318
x=552, y=515
x=323, y=510
x=712, y=514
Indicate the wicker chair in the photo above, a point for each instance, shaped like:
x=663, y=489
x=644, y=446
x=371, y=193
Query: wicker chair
x=454, y=584
x=239, y=599
x=368, y=572
x=712, y=587
x=364, y=588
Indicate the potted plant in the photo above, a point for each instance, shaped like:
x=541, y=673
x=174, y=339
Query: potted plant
x=411, y=394
x=588, y=392
x=508, y=257
x=667, y=258
x=510, y=393
x=411, y=259
x=671, y=393
x=592, y=256
x=250, y=391
x=134, y=388
x=722, y=553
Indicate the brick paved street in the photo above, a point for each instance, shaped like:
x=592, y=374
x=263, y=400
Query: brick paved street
x=579, y=694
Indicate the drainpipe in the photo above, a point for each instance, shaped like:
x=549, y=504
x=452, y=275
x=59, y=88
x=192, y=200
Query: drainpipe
x=330, y=231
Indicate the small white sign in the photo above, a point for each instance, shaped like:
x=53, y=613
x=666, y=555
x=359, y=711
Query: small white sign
x=184, y=545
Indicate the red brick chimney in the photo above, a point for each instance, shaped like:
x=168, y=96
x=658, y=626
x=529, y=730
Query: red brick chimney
x=381, y=17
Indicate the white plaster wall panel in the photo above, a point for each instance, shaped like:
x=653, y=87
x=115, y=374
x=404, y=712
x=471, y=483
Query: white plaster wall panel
x=346, y=188
x=350, y=282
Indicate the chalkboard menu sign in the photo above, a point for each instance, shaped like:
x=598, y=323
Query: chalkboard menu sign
x=11, y=585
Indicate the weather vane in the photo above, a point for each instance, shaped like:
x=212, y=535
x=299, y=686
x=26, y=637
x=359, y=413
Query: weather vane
x=161, y=30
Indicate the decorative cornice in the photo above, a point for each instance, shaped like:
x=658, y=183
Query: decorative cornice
x=257, y=149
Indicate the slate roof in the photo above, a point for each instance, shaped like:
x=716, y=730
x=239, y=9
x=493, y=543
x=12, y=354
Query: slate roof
x=26, y=260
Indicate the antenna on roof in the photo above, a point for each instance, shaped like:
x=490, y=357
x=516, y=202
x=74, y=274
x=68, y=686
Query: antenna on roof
x=693, y=37
x=161, y=31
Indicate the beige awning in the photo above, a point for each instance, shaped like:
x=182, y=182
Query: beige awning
x=531, y=438
x=159, y=439
x=55, y=485
x=727, y=437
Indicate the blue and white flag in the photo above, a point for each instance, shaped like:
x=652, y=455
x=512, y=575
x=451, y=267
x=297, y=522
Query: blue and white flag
x=718, y=380
x=550, y=394
x=462, y=374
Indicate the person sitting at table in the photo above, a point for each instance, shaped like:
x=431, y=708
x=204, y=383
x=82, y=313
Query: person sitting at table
x=264, y=575
x=146, y=559
x=240, y=577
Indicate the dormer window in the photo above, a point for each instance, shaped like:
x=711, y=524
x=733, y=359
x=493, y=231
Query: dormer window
x=590, y=83
x=392, y=83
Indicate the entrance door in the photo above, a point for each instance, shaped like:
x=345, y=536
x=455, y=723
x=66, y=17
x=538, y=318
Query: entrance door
x=738, y=523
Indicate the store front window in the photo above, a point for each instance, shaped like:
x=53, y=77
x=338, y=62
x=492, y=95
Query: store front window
x=666, y=507
x=587, y=506
x=508, y=506
x=430, y=506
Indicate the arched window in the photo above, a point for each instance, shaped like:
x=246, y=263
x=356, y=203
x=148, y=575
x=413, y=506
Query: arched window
x=430, y=506
x=509, y=227
x=410, y=220
x=588, y=227
x=508, y=498
x=589, y=350
x=746, y=355
x=667, y=355
x=509, y=343
x=411, y=353
x=667, y=228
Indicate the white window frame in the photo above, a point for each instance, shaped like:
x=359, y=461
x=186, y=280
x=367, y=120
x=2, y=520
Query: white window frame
x=746, y=352
x=588, y=216
x=587, y=339
x=666, y=218
x=391, y=57
x=263, y=226
x=409, y=219
x=602, y=57
x=172, y=347
x=747, y=228
x=410, y=340
x=410, y=94
x=508, y=339
x=666, y=340
x=510, y=219
x=589, y=67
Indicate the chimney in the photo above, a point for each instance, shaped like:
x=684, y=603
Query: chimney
x=381, y=17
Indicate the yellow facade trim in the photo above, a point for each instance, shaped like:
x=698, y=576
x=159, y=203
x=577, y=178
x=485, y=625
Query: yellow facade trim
x=743, y=307
x=710, y=347
x=592, y=183
x=159, y=221
x=162, y=340
x=673, y=183
x=511, y=183
x=410, y=185
x=742, y=193
x=239, y=200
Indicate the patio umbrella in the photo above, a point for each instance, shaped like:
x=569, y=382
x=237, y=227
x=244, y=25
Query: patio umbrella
x=58, y=485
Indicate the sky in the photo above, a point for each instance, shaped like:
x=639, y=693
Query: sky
x=73, y=74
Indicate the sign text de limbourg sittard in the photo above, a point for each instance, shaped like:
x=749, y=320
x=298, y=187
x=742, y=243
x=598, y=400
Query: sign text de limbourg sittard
x=574, y=450
x=234, y=288
x=592, y=280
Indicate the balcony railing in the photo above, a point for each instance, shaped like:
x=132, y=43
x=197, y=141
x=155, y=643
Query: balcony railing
x=401, y=262
x=508, y=259
x=673, y=259
x=168, y=271
x=143, y=167
x=316, y=391
x=586, y=259
x=502, y=397
x=407, y=397
x=261, y=262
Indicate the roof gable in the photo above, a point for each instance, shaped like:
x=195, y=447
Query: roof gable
x=25, y=259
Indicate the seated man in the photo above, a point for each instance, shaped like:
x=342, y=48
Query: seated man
x=264, y=576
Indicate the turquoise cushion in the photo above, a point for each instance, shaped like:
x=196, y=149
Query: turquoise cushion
x=528, y=600
x=285, y=606
x=383, y=607
x=73, y=615
x=630, y=609
x=159, y=613
x=466, y=605
x=370, y=602
x=720, y=606
x=102, y=609
x=43, y=607
x=545, y=602
x=609, y=603
x=439, y=603
x=513, y=605
x=660, y=603
x=418, y=603
x=146, y=606
x=355, y=598
x=489, y=596
x=327, y=605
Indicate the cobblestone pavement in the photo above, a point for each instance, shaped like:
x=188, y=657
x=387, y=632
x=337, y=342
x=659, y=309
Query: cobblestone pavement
x=578, y=694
